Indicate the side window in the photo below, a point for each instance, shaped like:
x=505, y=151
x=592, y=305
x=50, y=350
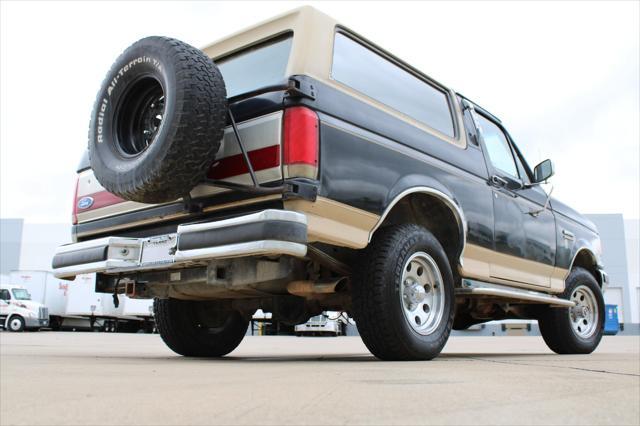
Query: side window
x=377, y=77
x=497, y=147
x=4, y=295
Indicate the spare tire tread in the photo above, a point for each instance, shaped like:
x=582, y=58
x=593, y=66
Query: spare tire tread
x=196, y=129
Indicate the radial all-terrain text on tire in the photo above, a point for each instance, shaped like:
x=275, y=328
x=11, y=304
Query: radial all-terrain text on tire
x=576, y=330
x=198, y=329
x=158, y=121
x=403, y=294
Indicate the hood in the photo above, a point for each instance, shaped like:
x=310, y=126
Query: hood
x=30, y=304
x=565, y=210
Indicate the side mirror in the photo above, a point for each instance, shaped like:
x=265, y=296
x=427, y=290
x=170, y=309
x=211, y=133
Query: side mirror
x=543, y=171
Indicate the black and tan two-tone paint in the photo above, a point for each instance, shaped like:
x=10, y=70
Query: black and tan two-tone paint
x=375, y=166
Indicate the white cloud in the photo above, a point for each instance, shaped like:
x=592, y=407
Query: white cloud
x=563, y=76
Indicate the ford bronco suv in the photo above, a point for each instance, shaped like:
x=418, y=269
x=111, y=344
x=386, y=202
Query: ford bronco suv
x=296, y=167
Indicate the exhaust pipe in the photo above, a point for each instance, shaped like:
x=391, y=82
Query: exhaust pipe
x=310, y=288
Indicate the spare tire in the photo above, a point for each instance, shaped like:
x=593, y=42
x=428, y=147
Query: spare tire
x=158, y=121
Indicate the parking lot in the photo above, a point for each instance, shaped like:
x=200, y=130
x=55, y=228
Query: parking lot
x=98, y=378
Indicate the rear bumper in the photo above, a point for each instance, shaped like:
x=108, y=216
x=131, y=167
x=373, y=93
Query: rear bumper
x=269, y=232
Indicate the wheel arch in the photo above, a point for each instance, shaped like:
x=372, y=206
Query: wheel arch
x=586, y=258
x=433, y=207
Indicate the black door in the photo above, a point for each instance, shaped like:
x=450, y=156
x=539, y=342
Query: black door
x=524, y=231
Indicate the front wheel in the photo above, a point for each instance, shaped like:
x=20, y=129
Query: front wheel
x=579, y=329
x=403, y=295
x=199, y=329
x=16, y=323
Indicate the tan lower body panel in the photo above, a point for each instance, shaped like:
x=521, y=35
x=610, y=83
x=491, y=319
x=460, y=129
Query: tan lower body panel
x=335, y=223
x=486, y=264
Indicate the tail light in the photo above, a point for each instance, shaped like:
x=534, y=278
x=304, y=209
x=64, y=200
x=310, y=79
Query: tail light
x=74, y=211
x=300, y=143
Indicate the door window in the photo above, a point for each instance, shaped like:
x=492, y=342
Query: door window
x=4, y=294
x=497, y=147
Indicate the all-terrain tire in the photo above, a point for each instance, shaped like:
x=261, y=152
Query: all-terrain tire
x=376, y=287
x=158, y=121
x=186, y=328
x=556, y=325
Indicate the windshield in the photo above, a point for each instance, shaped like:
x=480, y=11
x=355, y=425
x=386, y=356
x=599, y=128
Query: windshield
x=21, y=294
x=258, y=66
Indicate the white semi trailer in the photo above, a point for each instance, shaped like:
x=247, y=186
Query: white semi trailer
x=75, y=304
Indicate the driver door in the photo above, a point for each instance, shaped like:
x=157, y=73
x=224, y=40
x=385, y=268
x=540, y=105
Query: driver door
x=5, y=297
x=524, y=230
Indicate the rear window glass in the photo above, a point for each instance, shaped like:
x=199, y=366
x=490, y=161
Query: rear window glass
x=377, y=77
x=258, y=66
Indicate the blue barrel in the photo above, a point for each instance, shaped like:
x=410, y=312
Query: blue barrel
x=611, y=324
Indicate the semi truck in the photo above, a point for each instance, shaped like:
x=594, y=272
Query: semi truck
x=76, y=305
x=18, y=312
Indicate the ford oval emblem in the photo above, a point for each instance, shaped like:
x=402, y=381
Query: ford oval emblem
x=85, y=203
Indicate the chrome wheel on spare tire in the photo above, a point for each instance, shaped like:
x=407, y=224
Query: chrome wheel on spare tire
x=158, y=121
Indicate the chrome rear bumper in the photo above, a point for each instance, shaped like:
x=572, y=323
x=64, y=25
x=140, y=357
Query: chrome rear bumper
x=269, y=232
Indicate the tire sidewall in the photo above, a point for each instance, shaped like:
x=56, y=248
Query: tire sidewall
x=416, y=343
x=11, y=319
x=144, y=59
x=578, y=278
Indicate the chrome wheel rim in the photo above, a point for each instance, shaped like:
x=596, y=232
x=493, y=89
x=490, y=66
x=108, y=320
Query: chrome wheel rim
x=15, y=324
x=584, y=315
x=422, y=293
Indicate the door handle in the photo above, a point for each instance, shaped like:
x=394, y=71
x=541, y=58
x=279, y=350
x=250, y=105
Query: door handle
x=498, y=181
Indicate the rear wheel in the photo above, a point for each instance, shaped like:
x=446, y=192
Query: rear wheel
x=199, y=329
x=16, y=323
x=403, y=294
x=576, y=330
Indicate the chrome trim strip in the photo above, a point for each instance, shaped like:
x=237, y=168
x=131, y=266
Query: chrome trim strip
x=478, y=288
x=575, y=255
x=87, y=268
x=100, y=242
x=265, y=215
x=455, y=208
x=251, y=248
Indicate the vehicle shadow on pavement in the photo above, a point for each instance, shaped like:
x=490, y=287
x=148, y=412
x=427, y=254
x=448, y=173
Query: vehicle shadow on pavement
x=354, y=358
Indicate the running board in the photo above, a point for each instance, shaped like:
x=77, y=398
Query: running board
x=478, y=288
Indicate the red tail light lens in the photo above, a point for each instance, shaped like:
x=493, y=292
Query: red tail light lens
x=74, y=210
x=300, y=142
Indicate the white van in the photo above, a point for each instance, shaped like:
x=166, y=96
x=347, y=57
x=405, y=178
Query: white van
x=18, y=312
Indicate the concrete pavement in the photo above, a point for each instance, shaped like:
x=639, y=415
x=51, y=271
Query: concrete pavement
x=102, y=378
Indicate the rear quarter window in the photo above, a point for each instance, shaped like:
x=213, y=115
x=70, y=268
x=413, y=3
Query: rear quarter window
x=255, y=67
x=377, y=77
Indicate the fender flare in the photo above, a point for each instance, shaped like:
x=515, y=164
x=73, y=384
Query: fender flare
x=584, y=246
x=445, y=197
